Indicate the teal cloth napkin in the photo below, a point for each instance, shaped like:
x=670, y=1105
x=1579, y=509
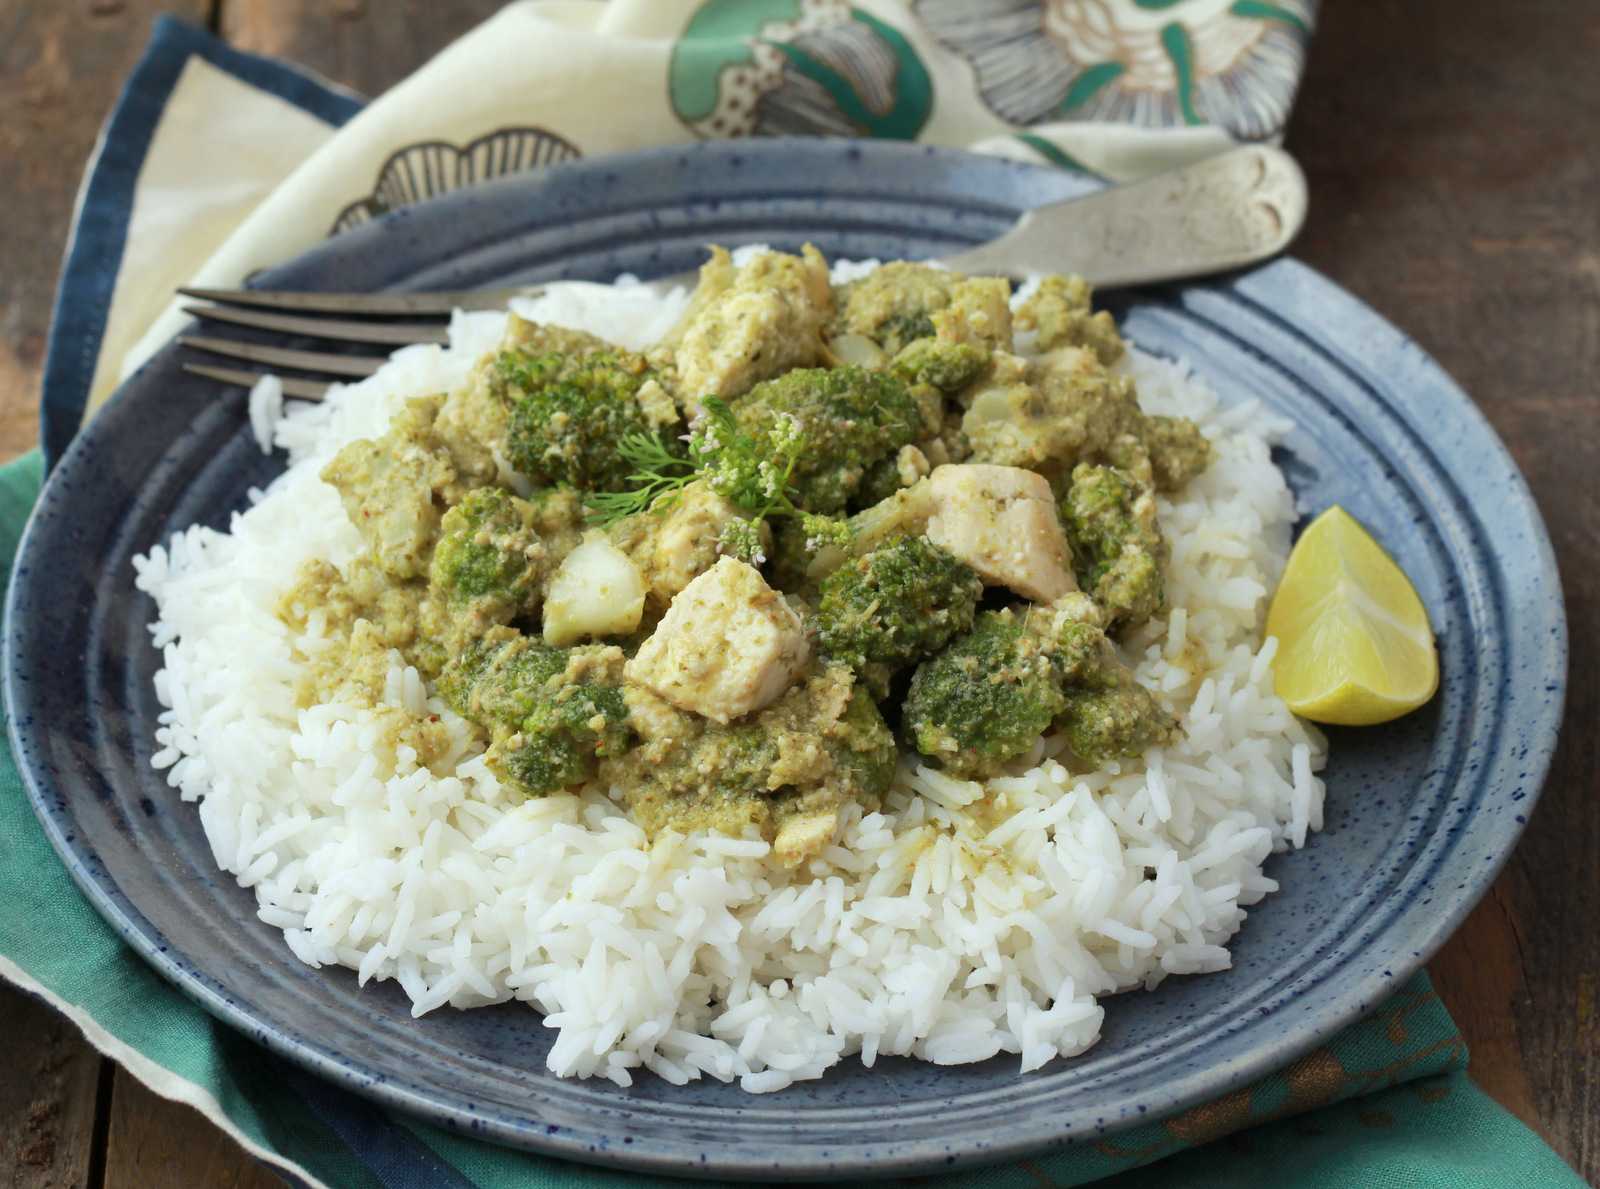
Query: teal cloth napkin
x=1385, y=1103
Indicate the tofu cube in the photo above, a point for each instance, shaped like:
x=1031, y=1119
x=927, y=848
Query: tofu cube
x=1002, y=521
x=686, y=541
x=729, y=644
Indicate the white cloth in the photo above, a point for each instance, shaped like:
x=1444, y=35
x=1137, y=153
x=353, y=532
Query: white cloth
x=236, y=179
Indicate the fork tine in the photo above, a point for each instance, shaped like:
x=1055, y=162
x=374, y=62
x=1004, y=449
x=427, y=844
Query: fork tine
x=396, y=333
x=381, y=304
x=300, y=389
x=305, y=361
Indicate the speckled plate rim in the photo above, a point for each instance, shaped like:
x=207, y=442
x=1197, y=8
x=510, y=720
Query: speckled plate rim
x=1340, y=996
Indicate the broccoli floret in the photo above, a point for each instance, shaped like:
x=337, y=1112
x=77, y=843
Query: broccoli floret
x=1112, y=724
x=901, y=302
x=848, y=417
x=570, y=412
x=482, y=549
x=985, y=699
x=1117, y=547
x=558, y=745
x=1057, y=411
x=1048, y=416
x=903, y=601
x=893, y=304
x=496, y=551
x=793, y=449
x=988, y=697
x=552, y=713
x=863, y=750
x=804, y=443
x=947, y=366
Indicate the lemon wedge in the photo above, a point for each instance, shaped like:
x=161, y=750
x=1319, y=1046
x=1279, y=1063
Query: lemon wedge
x=1354, y=644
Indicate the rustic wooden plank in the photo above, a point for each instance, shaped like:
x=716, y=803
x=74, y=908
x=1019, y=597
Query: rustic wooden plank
x=61, y=66
x=1453, y=179
x=1481, y=978
x=152, y=1141
x=365, y=45
x=47, y=1098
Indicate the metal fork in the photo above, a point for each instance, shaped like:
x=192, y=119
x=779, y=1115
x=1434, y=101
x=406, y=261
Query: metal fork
x=1234, y=209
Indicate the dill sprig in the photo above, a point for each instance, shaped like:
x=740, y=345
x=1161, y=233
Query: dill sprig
x=752, y=472
x=657, y=473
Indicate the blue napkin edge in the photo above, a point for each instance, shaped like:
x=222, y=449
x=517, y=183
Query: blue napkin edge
x=99, y=234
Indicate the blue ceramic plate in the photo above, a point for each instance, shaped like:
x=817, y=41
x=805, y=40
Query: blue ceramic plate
x=1420, y=814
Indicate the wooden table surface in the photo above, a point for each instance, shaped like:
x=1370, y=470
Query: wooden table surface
x=1455, y=186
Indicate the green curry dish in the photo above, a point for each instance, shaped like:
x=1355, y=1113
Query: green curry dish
x=905, y=600
x=986, y=698
x=847, y=418
x=836, y=481
x=947, y=366
x=570, y=413
x=1117, y=547
x=552, y=713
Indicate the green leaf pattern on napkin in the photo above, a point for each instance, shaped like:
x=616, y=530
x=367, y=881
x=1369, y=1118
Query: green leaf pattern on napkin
x=1150, y=63
x=797, y=67
x=786, y=67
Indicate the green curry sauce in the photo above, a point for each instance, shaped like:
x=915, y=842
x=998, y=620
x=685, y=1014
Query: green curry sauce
x=812, y=434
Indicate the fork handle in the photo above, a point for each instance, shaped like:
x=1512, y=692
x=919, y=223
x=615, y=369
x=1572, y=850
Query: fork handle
x=1230, y=210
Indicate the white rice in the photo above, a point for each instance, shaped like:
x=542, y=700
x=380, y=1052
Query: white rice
x=940, y=927
x=266, y=410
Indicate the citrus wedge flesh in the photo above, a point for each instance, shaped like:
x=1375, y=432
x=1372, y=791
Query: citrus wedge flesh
x=1354, y=644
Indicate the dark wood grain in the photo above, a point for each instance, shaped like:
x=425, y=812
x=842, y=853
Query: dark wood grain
x=61, y=66
x=48, y=1097
x=365, y=44
x=1454, y=178
x=1454, y=187
x=152, y=1141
